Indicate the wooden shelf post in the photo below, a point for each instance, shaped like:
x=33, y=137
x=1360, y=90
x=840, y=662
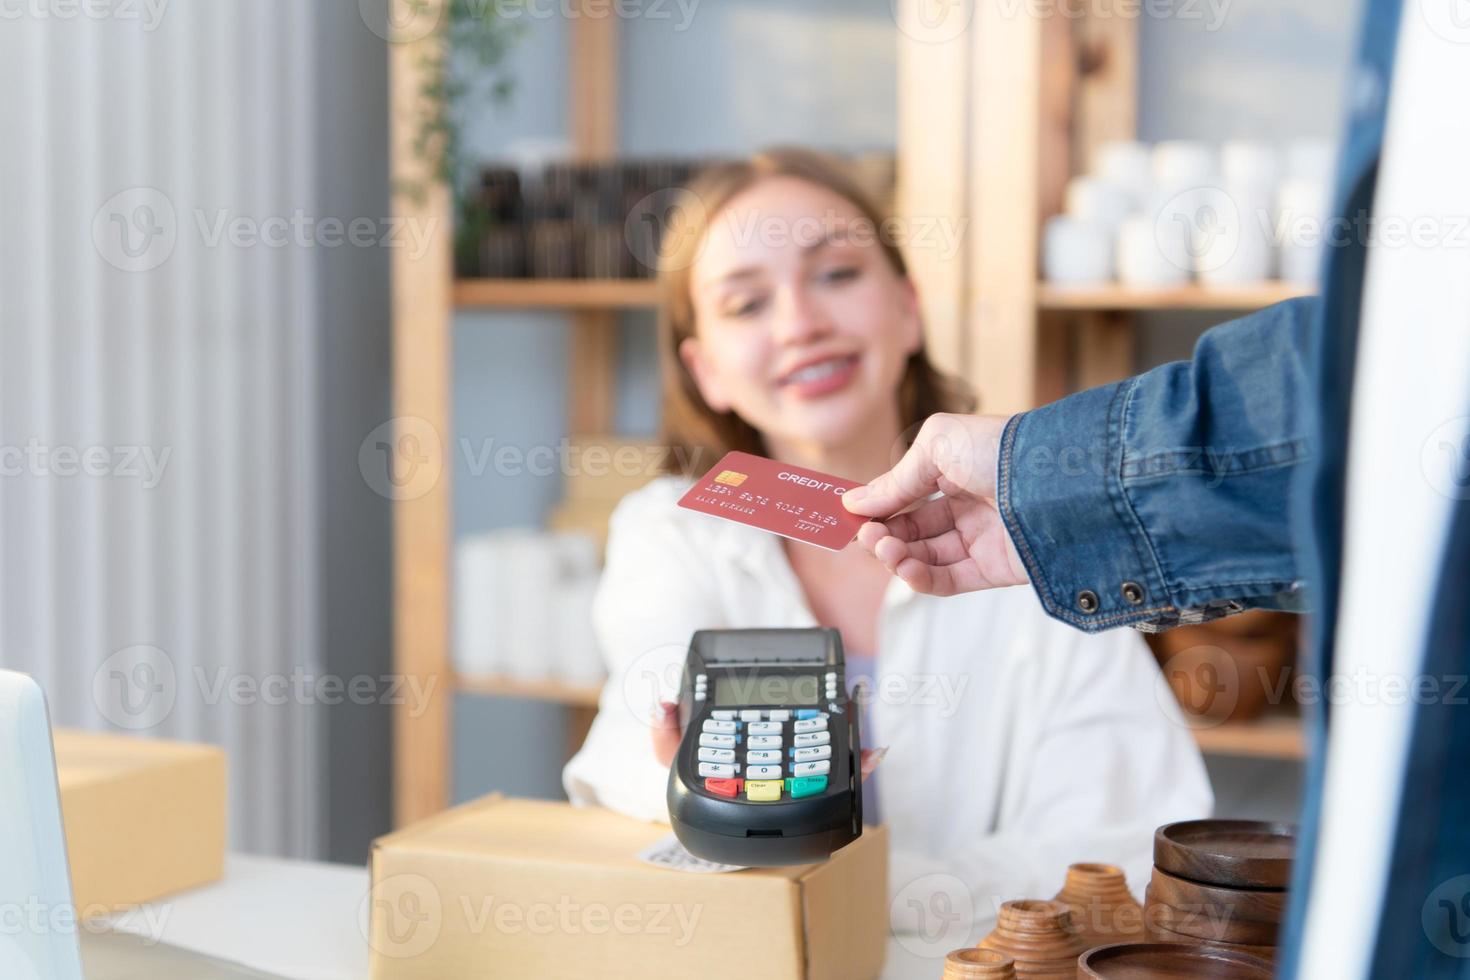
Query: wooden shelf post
x=422, y=313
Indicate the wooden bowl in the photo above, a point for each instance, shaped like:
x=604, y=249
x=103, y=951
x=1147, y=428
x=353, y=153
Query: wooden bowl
x=1169, y=961
x=1215, y=925
x=1247, y=904
x=971, y=963
x=1103, y=910
x=1040, y=938
x=1154, y=934
x=1234, y=853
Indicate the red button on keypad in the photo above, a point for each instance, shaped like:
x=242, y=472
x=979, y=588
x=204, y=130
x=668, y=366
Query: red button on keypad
x=724, y=787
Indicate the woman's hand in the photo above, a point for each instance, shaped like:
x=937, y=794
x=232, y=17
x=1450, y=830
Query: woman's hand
x=666, y=739
x=954, y=543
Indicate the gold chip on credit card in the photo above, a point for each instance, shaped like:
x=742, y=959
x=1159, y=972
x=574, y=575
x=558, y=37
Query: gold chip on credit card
x=730, y=477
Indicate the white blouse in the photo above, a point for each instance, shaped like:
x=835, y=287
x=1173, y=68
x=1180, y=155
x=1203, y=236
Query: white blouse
x=1017, y=745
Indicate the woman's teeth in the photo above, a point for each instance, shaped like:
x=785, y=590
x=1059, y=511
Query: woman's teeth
x=818, y=371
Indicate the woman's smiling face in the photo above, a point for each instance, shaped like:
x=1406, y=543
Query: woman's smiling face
x=804, y=327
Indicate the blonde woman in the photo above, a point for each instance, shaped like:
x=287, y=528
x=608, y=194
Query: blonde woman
x=1015, y=745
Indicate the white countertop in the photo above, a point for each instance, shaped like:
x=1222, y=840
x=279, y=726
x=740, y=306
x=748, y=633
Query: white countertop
x=306, y=921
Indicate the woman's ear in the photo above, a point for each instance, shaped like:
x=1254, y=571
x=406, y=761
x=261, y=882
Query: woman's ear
x=911, y=316
x=692, y=353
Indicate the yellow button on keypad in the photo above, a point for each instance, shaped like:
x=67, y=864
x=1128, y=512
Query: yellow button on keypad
x=763, y=790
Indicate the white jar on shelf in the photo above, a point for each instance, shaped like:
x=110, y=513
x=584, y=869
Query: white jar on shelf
x=1184, y=163
x=1151, y=256
x=1301, y=228
x=1235, y=245
x=1250, y=163
x=576, y=658
x=1076, y=253
x=1098, y=201
x=1127, y=164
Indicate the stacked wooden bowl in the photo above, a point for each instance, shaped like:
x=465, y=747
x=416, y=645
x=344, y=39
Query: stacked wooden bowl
x=1039, y=937
x=1103, y=910
x=973, y=963
x=1169, y=961
x=1220, y=882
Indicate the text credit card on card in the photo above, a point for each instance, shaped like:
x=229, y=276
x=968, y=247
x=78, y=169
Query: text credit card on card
x=796, y=503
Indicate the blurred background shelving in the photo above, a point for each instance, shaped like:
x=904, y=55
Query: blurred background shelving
x=563, y=294
x=1028, y=102
x=1193, y=297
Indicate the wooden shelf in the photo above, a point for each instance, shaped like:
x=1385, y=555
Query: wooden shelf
x=558, y=692
x=1271, y=737
x=1116, y=297
x=599, y=294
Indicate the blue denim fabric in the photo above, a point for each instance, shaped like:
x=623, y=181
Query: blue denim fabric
x=1076, y=534
x=1173, y=483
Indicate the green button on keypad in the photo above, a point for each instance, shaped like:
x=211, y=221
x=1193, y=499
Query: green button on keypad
x=799, y=786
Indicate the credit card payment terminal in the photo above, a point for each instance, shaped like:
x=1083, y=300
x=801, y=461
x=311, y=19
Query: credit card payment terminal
x=768, y=768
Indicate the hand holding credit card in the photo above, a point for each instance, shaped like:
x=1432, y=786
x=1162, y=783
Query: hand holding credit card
x=791, y=501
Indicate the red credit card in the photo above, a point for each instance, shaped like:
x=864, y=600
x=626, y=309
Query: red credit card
x=796, y=503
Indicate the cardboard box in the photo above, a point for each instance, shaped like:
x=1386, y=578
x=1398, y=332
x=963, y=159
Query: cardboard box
x=144, y=817
x=521, y=888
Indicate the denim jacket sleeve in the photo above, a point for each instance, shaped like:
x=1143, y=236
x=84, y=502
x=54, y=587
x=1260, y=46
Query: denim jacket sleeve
x=1164, y=499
